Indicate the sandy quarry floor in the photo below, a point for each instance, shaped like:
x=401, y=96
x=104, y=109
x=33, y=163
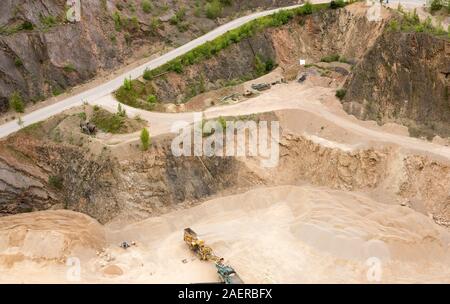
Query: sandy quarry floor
x=284, y=234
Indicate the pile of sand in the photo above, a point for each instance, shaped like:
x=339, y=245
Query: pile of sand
x=290, y=235
x=287, y=234
x=32, y=242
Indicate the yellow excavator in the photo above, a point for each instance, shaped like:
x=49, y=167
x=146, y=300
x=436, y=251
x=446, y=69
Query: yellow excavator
x=226, y=273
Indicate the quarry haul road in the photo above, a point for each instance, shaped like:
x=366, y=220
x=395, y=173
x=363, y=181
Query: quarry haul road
x=290, y=96
x=112, y=85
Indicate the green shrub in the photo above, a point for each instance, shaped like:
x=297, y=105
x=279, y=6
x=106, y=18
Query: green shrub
x=145, y=139
x=48, y=21
x=223, y=123
x=176, y=67
x=341, y=93
x=410, y=22
x=181, y=14
x=151, y=99
x=69, y=68
x=132, y=24
x=213, y=9
x=82, y=116
x=146, y=6
x=394, y=26
x=56, y=91
x=330, y=58
x=270, y=65
x=16, y=102
x=55, y=181
x=26, y=25
x=155, y=24
x=282, y=17
x=148, y=74
x=127, y=84
x=436, y=5
x=117, y=21
x=263, y=67
x=337, y=4
x=18, y=62
x=306, y=9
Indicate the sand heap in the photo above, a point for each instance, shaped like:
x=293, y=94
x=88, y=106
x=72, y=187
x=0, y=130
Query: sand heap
x=43, y=241
x=289, y=234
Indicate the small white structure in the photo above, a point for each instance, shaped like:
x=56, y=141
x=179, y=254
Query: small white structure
x=73, y=13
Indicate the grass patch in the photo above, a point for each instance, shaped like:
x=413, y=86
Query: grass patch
x=132, y=92
x=108, y=122
x=69, y=68
x=9, y=30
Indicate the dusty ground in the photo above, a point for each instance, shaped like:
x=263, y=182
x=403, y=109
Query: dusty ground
x=287, y=234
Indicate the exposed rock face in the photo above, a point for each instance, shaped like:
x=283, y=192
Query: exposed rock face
x=334, y=168
x=22, y=185
x=48, y=59
x=404, y=78
x=156, y=182
x=101, y=185
x=40, y=63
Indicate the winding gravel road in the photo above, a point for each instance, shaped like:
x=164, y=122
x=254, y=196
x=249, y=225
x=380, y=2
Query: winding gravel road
x=108, y=87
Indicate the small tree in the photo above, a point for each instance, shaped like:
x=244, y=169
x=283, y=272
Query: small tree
x=145, y=139
x=127, y=84
x=436, y=5
x=16, y=102
x=151, y=99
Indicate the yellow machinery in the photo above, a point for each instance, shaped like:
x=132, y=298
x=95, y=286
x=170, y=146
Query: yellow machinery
x=197, y=245
x=226, y=273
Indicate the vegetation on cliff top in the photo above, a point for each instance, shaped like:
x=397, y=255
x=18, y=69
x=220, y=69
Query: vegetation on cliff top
x=410, y=22
x=133, y=96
